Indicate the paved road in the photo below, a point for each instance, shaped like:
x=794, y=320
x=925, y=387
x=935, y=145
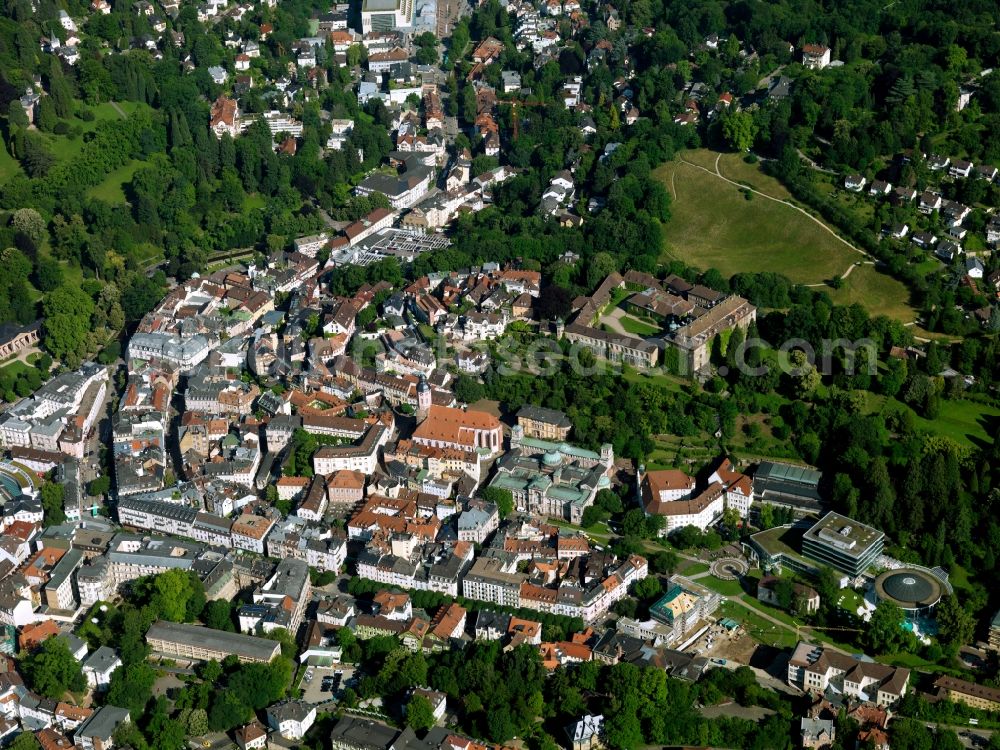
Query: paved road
x=613, y=320
x=213, y=741
x=968, y=736
x=813, y=164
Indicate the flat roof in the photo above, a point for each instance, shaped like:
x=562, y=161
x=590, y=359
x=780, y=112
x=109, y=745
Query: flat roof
x=240, y=644
x=379, y=6
x=843, y=534
x=787, y=473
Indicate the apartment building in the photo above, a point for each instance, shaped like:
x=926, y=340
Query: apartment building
x=494, y=580
x=288, y=590
x=360, y=457
x=962, y=691
x=249, y=532
x=815, y=668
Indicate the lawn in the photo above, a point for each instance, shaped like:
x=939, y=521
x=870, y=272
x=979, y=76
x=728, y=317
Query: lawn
x=930, y=265
x=713, y=225
x=599, y=532
x=726, y=588
x=915, y=661
x=777, y=614
x=16, y=367
x=757, y=627
x=966, y=422
x=638, y=327
x=878, y=293
x=8, y=164
x=688, y=568
x=735, y=168
x=661, y=380
x=675, y=452
x=958, y=577
x=850, y=600
x=112, y=188
x=254, y=201
x=65, y=147
x=618, y=296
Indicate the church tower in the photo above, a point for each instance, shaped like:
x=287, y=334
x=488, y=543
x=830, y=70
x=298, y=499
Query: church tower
x=423, y=398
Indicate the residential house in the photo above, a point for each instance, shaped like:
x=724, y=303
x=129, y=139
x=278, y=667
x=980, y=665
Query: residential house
x=99, y=666
x=960, y=168
x=817, y=733
x=855, y=183
x=974, y=268
x=879, y=188
x=929, y=202
x=252, y=736
x=97, y=732
x=292, y=718
x=815, y=56
x=587, y=733
x=437, y=700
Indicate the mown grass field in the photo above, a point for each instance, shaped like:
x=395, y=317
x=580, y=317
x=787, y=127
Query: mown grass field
x=713, y=220
x=638, y=327
x=689, y=569
x=726, y=588
x=714, y=225
x=253, y=202
x=877, y=292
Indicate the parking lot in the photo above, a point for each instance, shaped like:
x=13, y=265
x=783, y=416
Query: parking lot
x=323, y=684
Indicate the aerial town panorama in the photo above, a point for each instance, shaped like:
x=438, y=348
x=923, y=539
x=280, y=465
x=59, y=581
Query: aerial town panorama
x=499, y=375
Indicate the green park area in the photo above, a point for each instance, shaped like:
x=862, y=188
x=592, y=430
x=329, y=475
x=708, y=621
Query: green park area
x=15, y=367
x=879, y=293
x=112, y=188
x=966, y=422
x=68, y=145
x=716, y=224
